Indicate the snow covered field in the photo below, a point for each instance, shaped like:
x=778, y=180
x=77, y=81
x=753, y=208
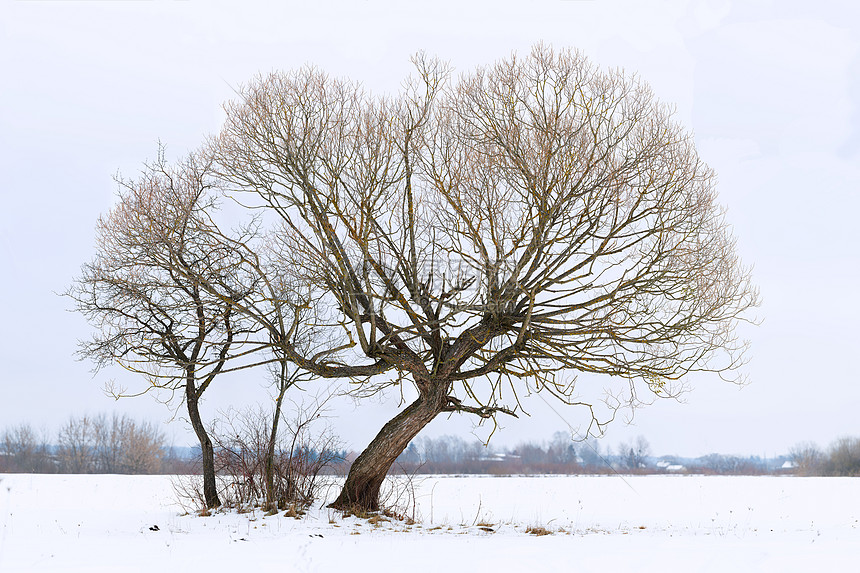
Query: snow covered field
x=654, y=523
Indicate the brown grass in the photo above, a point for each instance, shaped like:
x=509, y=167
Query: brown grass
x=538, y=530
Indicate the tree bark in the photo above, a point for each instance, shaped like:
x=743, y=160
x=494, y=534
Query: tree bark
x=210, y=491
x=361, y=490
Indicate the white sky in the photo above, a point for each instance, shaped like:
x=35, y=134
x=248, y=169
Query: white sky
x=770, y=88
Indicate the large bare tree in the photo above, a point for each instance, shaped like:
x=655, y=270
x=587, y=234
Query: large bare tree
x=480, y=237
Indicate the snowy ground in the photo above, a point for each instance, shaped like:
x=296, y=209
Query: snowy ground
x=655, y=523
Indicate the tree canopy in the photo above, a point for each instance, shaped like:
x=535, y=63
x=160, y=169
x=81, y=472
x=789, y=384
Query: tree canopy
x=477, y=237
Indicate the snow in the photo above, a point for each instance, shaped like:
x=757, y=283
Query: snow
x=598, y=523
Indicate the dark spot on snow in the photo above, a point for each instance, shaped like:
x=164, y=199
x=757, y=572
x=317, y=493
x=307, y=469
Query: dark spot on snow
x=154, y=528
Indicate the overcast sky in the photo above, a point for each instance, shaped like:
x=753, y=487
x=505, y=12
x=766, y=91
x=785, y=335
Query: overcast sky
x=770, y=88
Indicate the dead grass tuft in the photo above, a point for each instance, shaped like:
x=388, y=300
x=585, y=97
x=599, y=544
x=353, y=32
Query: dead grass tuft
x=538, y=530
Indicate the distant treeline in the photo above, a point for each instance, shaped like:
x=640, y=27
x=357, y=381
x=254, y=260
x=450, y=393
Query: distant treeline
x=91, y=444
x=121, y=445
x=100, y=444
x=562, y=455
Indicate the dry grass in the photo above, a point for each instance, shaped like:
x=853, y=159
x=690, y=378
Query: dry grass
x=295, y=511
x=538, y=530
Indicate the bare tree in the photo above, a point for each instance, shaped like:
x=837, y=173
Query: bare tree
x=285, y=378
x=472, y=239
x=77, y=446
x=116, y=445
x=24, y=450
x=562, y=450
x=843, y=458
x=143, y=290
x=634, y=455
x=808, y=458
x=125, y=446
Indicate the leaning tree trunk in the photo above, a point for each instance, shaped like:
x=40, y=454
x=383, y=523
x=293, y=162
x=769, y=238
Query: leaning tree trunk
x=361, y=490
x=210, y=491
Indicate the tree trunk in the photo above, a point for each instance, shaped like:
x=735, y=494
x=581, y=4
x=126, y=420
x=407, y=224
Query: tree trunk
x=210, y=491
x=269, y=469
x=361, y=490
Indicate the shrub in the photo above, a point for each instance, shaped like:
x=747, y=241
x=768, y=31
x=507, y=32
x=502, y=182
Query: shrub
x=843, y=458
x=300, y=457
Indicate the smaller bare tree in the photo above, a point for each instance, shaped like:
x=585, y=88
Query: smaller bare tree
x=285, y=378
x=143, y=292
